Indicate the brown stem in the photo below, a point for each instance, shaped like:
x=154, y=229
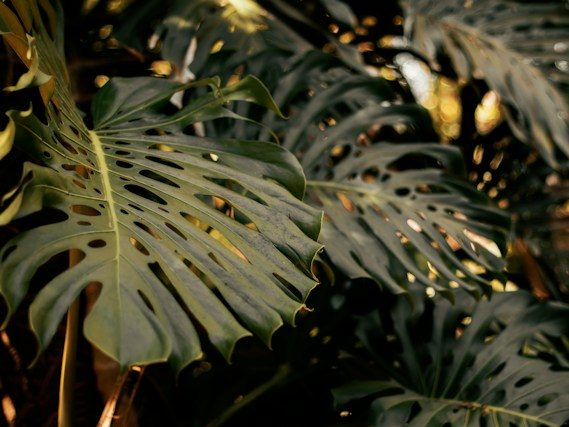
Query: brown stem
x=119, y=406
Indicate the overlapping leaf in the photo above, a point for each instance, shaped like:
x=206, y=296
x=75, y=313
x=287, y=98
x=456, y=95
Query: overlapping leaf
x=14, y=33
x=397, y=208
x=521, y=50
x=186, y=236
x=465, y=364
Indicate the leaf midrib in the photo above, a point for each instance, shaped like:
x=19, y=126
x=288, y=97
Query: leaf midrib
x=371, y=192
x=108, y=192
x=471, y=406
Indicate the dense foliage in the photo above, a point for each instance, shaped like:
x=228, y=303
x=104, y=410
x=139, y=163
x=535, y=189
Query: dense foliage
x=271, y=229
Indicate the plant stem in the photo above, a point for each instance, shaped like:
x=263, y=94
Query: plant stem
x=67, y=381
x=119, y=406
x=282, y=373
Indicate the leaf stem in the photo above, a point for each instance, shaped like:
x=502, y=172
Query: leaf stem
x=67, y=380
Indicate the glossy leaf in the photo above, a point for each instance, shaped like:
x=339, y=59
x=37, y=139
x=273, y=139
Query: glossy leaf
x=341, y=11
x=397, y=207
x=187, y=236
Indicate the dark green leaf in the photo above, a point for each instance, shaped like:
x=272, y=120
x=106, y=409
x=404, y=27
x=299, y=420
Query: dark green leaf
x=186, y=235
x=468, y=364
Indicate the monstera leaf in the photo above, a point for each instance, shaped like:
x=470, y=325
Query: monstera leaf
x=187, y=236
x=465, y=364
x=397, y=208
x=520, y=48
x=397, y=205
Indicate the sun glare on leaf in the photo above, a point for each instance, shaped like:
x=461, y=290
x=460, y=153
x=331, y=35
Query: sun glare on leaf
x=246, y=15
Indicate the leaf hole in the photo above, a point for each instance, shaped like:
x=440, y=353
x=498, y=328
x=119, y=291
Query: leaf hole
x=163, y=147
x=370, y=175
x=61, y=139
x=138, y=246
x=414, y=225
x=85, y=210
x=123, y=164
x=346, y=202
x=413, y=412
x=145, y=300
x=157, y=177
x=8, y=251
x=98, y=243
x=145, y=193
x=524, y=381
x=214, y=259
x=217, y=235
x=74, y=130
x=211, y=157
x=175, y=230
x=147, y=229
x=79, y=184
x=546, y=399
x=164, y=162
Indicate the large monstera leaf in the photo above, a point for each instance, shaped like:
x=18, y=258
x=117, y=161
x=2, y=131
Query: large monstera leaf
x=521, y=50
x=187, y=236
x=468, y=364
x=397, y=207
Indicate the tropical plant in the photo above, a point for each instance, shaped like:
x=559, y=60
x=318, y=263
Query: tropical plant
x=464, y=364
x=180, y=215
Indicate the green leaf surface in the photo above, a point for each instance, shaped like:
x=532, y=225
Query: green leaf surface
x=397, y=205
x=188, y=237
